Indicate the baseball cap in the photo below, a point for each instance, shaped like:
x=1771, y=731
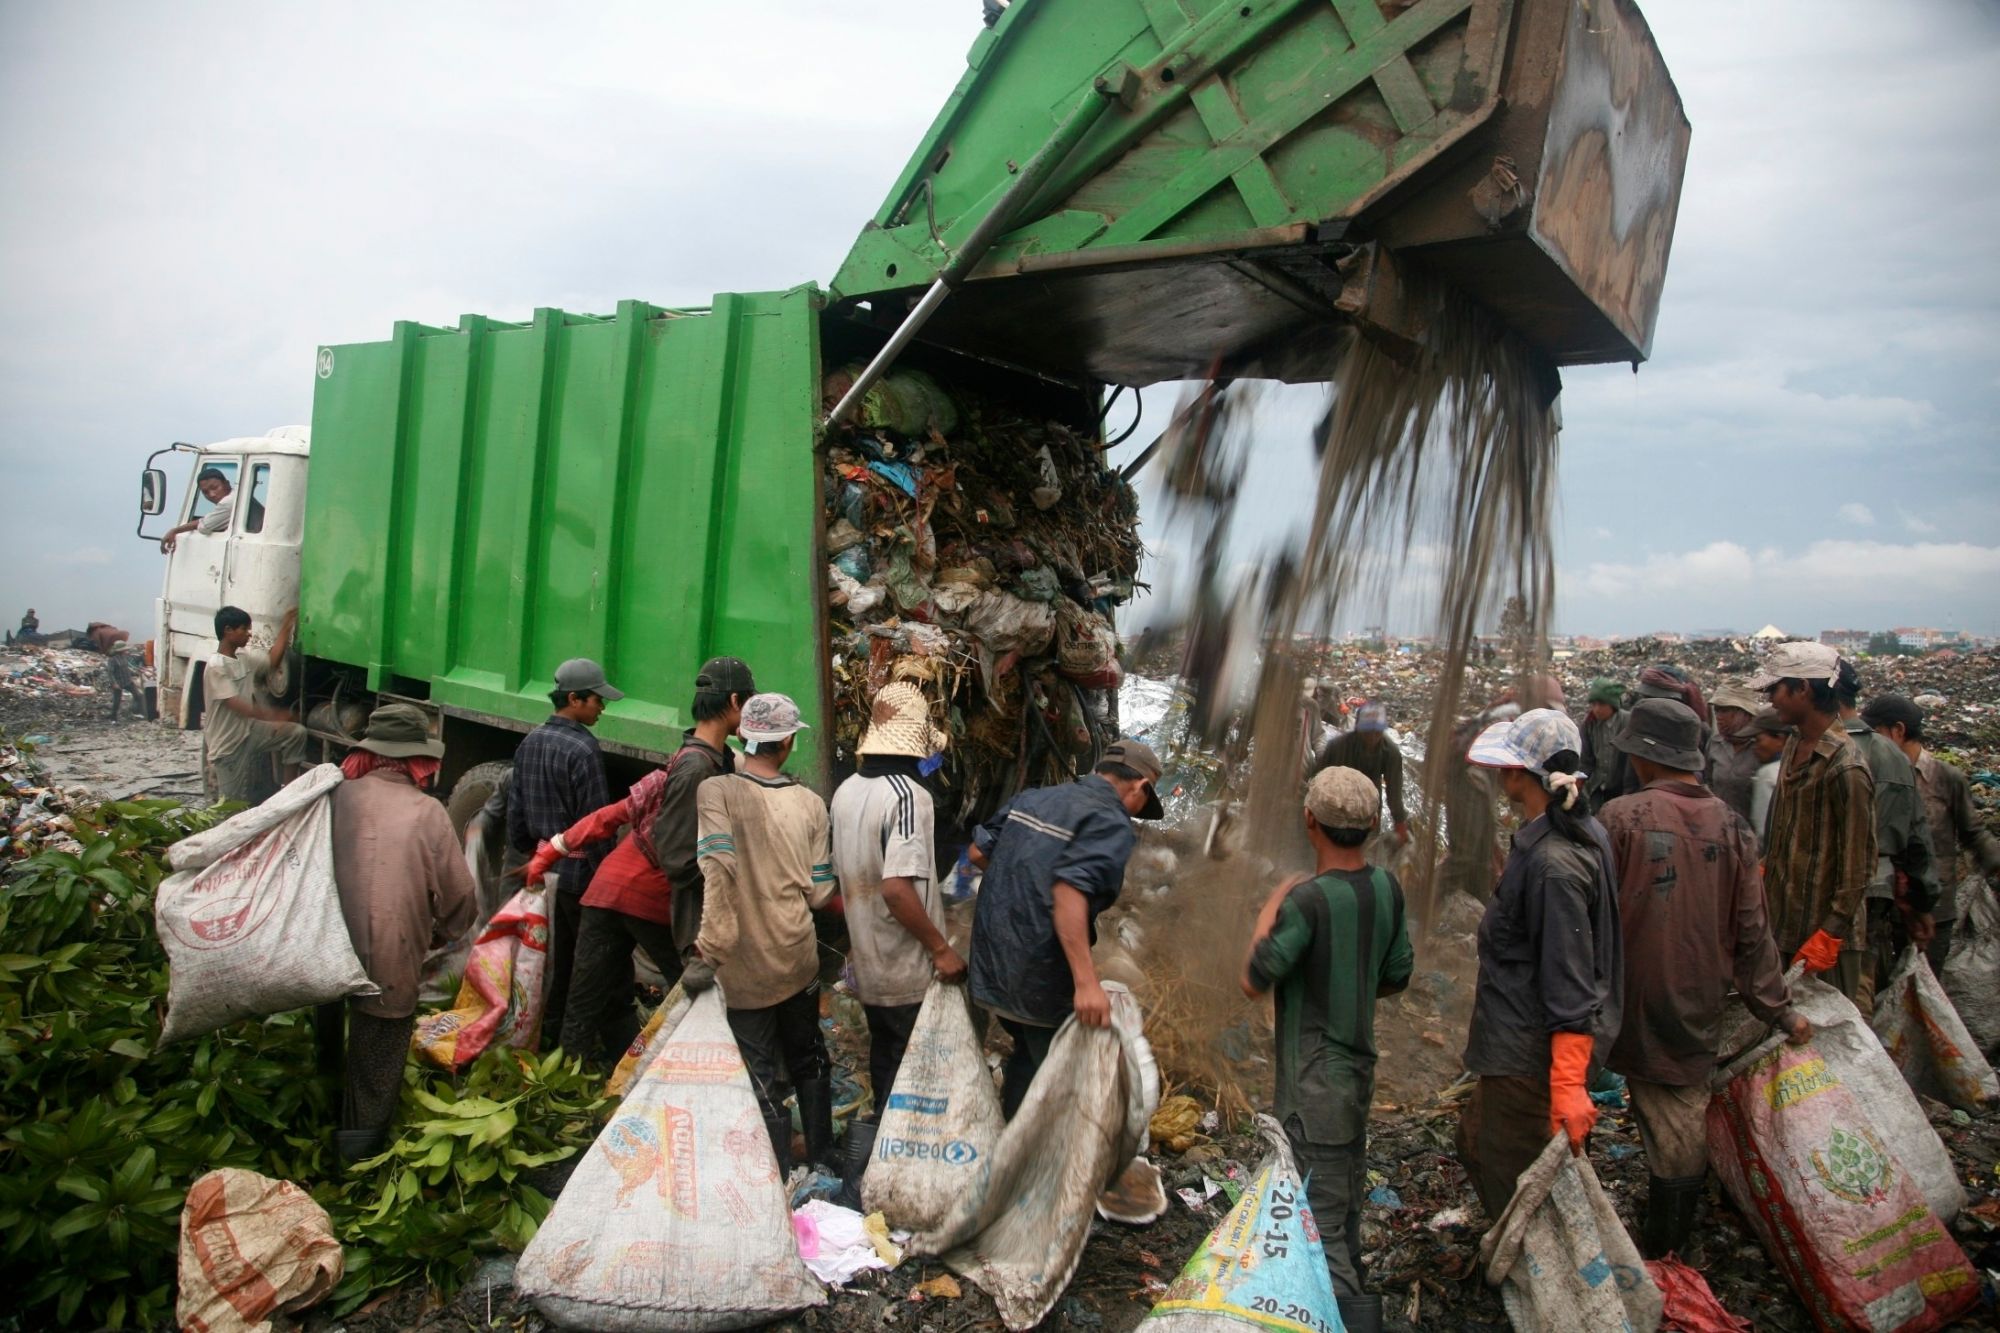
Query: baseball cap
x=1733, y=695
x=1797, y=660
x=1139, y=757
x=1372, y=717
x=1526, y=741
x=580, y=675
x=1664, y=732
x=1884, y=709
x=1343, y=798
x=725, y=675
x=769, y=717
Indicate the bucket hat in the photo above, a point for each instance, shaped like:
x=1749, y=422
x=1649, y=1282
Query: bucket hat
x=769, y=717
x=1733, y=695
x=899, y=723
x=399, y=731
x=1343, y=798
x=580, y=675
x=1526, y=741
x=1662, y=731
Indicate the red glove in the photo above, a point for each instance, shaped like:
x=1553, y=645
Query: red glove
x=1571, y=1111
x=1819, y=953
x=538, y=865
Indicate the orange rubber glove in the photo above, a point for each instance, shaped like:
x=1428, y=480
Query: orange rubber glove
x=1571, y=1111
x=538, y=865
x=1819, y=953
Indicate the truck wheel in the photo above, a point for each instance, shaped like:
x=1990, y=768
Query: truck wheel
x=472, y=790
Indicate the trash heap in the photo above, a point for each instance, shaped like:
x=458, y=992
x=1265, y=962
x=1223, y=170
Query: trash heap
x=978, y=551
x=34, y=813
x=41, y=687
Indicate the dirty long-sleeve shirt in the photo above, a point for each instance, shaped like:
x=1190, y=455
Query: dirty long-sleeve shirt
x=1603, y=763
x=1902, y=833
x=1732, y=771
x=1379, y=761
x=558, y=779
x=1691, y=904
x=1955, y=828
x=676, y=829
x=1551, y=954
x=766, y=853
x=1820, y=852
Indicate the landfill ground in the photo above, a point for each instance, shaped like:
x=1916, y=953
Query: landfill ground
x=1421, y=1224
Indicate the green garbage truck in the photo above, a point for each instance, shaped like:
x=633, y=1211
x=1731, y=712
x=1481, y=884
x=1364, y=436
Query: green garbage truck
x=1117, y=193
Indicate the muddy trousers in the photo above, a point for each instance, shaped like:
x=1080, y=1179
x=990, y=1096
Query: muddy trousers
x=787, y=1035
x=889, y=1028
x=1031, y=1048
x=1336, y=1179
x=1673, y=1129
x=599, y=1021
x=367, y=1054
x=1502, y=1129
x=245, y=773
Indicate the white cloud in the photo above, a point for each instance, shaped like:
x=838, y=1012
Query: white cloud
x=1920, y=526
x=1860, y=515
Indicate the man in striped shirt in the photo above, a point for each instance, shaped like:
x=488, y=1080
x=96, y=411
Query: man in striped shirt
x=1820, y=853
x=766, y=857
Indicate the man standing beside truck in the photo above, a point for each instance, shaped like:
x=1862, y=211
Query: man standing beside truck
x=243, y=733
x=558, y=779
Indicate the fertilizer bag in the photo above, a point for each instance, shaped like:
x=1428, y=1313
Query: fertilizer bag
x=252, y=1248
x=1922, y=1033
x=1808, y=1159
x=1262, y=1267
x=1561, y=1257
x=500, y=999
x=251, y=917
x=1971, y=975
x=936, y=1134
x=1019, y=1227
x=676, y=1218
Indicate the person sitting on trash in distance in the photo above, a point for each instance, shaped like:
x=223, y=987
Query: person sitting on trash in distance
x=215, y=489
x=405, y=890
x=558, y=779
x=1368, y=750
x=1054, y=858
x=1329, y=947
x=243, y=733
x=1691, y=907
x=885, y=856
x=1819, y=852
x=1551, y=961
x=766, y=853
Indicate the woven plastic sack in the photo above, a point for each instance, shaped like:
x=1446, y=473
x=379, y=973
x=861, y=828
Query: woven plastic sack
x=1561, y=1257
x=1262, y=1267
x=1019, y=1228
x=1923, y=1034
x=251, y=917
x=1808, y=1160
x=676, y=1218
x=1854, y=1056
x=935, y=1136
x=501, y=997
x=1971, y=975
x=251, y=1248
x=662, y=1025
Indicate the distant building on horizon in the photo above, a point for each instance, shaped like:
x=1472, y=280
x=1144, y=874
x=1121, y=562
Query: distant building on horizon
x=1846, y=640
x=1715, y=634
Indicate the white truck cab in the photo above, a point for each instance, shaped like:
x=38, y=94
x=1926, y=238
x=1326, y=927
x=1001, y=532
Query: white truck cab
x=253, y=563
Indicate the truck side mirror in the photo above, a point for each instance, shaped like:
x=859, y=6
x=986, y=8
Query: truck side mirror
x=152, y=491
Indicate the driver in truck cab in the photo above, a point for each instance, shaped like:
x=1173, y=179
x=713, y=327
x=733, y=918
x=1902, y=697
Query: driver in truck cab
x=215, y=488
x=244, y=734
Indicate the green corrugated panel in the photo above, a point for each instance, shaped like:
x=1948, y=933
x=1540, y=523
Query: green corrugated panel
x=489, y=500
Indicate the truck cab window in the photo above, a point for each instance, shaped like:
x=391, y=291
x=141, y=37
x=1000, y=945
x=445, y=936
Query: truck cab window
x=202, y=504
x=260, y=485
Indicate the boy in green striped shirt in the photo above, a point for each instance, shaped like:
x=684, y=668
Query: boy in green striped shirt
x=1329, y=946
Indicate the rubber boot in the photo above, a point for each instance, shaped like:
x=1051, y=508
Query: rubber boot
x=816, y=1122
x=779, y=1127
x=854, y=1165
x=357, y=1145
x=1360, y=1314
x=1670, y=1210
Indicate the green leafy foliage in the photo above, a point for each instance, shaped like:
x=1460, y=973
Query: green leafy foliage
x=101, y=1135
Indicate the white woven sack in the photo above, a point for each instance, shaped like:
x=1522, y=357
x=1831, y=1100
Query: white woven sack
x=1971, y=974
x=1019, y=1231
x=251, y=917
x=1923, y=1034
x=676, y=1218
x=1561, y=1257
x=934, y=1141
x=1853, y=1051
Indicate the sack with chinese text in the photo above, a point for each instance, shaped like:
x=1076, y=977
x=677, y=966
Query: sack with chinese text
x=252, y=1248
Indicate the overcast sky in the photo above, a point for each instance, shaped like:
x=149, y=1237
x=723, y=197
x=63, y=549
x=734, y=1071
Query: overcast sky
x=193, y=197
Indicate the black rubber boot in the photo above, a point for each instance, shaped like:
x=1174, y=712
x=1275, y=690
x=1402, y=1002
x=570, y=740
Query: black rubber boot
x=854, y=1161
x=816, y=1121
x=1360, y=1314
x=779, y=1126
x=357, y=1145
x=1670, y=1210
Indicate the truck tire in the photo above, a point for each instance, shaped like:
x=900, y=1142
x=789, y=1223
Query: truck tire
x=472, y=790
